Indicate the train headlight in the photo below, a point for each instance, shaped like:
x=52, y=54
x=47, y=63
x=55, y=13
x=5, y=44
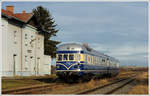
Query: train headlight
x=78, y=69
x=57, y=67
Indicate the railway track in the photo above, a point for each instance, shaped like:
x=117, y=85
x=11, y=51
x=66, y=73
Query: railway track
x=44, y=88
x=109, y=88
x=28, y=90
x=33, y=89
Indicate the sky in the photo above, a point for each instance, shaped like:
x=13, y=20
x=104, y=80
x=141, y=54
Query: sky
x=118, y=29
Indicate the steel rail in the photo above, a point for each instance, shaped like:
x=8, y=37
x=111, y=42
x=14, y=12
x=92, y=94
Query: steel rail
x=24, y=89
x=107, y=85
x=121, y=86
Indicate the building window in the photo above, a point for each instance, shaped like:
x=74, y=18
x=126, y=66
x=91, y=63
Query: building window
x=26, y=36
x=26, y=59
x=15, y=33
x=38, y=43
x=15, y=36
x=26, y=63
x=38, y=40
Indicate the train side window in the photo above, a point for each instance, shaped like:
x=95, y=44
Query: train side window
x=88, y=58
x=71, y=57
x=103, y=60
x=93, y=59
x=85, y=59
x=65, y=57
x=78, y=57
x=60, y=57
x=97, y=60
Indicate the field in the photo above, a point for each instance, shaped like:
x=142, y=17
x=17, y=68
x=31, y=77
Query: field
x=17, y=82
x=139, y=86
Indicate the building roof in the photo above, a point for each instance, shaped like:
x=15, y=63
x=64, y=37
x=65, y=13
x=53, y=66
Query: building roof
x=23, y=17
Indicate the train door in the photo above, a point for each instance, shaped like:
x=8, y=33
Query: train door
x=108, y=62
x=78, y=57
x=14, y=64
x=108, y=65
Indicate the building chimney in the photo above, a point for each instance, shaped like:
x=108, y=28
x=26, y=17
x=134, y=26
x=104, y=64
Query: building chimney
x=23, y=11
x=10, y=8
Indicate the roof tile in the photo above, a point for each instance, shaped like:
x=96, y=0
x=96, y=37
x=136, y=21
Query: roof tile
x=25, y=17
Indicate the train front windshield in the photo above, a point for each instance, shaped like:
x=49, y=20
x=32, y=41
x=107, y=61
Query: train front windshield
x=68, y=57
x=59, y=58
x=71, y=57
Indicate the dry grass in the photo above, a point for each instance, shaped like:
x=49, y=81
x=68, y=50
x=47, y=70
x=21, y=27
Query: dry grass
x=124, y=74
x=141, y=84
x=12, y=84
x=30, y=77
x=139, y=89
x=90, y=84
x=93, y=83
x=104, y=81
x=87, y=85
x=21, y=81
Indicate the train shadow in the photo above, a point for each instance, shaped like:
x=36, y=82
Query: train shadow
x=57, y=80
x=67, y=80
x=83, y=79
x=46, y=80
x=72, y=80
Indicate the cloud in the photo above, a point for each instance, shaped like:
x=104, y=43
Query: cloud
x=126, y=53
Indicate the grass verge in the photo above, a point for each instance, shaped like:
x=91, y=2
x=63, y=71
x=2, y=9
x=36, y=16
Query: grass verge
x=22, y=81
x=141, y=86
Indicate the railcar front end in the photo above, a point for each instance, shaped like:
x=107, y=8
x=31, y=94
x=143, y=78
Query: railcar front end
x=69, y=63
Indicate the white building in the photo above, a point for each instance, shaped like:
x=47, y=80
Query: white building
x=22, y=46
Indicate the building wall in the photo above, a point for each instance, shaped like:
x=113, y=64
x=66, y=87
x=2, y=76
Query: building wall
x=11, y=48
x=4, y=46
x=23, y=51
x=47, y=66
x=28, y=50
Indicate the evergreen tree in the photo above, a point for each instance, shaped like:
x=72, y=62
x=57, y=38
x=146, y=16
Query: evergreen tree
x=47, y=27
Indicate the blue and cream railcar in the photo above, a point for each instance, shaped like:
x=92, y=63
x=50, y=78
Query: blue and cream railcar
x=78, y=60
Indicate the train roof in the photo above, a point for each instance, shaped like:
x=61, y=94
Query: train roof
x=82, y=47
x=70, y=47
